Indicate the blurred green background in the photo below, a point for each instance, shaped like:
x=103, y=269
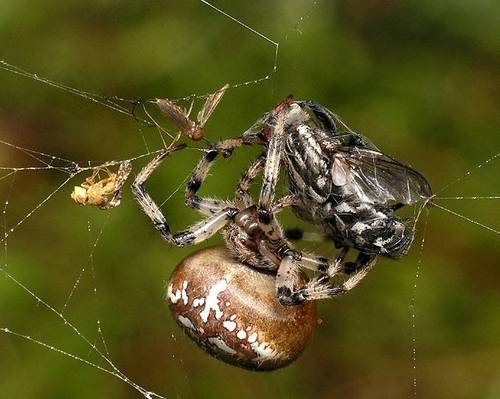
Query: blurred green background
x=420, y=78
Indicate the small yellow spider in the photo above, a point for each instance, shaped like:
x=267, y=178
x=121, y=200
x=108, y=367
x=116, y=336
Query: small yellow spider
x=105, y=193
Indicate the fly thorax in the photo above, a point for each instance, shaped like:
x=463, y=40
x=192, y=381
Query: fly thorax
x=295, y=115
x=307, y=165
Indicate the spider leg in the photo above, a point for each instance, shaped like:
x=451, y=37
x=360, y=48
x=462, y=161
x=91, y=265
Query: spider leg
x=271, y=174
x=251, y=136
x=208, y=206
x=242, y=195
x=193, y=235
x=319, y=287
x=284, y=202
x=319, y=264
x=95, y=173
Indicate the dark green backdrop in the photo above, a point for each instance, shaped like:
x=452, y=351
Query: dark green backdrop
x=420, y=78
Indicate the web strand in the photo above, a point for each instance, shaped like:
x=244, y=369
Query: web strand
x=469, y=172
x=107, y=102
x=71, y=172
x=113, y=371
x=72, y=169
x=255, y=32
x=90, y=262
x=482, y=225
x=467, y=198
x=413, y=308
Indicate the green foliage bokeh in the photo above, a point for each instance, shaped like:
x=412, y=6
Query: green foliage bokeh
x=421, y=79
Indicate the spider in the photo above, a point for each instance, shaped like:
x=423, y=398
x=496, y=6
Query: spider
x=105, y=193
x=338, y=180
x=251, y=232
x=180, y=116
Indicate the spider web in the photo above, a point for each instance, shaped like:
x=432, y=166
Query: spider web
x=71, y=319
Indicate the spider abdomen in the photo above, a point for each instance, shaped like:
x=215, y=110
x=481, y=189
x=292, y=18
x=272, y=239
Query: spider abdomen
x=231, y=311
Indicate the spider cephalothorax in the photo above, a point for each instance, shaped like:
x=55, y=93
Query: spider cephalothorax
x=338, y=181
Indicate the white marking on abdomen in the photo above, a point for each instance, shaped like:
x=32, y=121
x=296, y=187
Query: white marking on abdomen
x=198, y=302
x=219, y=343
x=174, y=297
x=252, y=338
x=184, y=292
x=241, y=334
x=212, y=302
x=264, y=350
x=229, y=325
x=186, y=322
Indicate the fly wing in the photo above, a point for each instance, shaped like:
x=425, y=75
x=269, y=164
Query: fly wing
x=360, y=168
x=174, y=114
x=377, y=178
x=210, y=105
x=335, y=128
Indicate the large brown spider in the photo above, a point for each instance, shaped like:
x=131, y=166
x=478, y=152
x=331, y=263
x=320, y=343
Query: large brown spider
x=338, y=181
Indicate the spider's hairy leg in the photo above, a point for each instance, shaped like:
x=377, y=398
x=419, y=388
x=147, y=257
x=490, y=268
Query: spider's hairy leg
x=289, y=269
x=193, y=235
x=271, y=174
x=288, y=281
x=284, y=202
x=202, y=230
x=242, y=194
x=208, y=206
x=319, y=287
x=319, y=264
